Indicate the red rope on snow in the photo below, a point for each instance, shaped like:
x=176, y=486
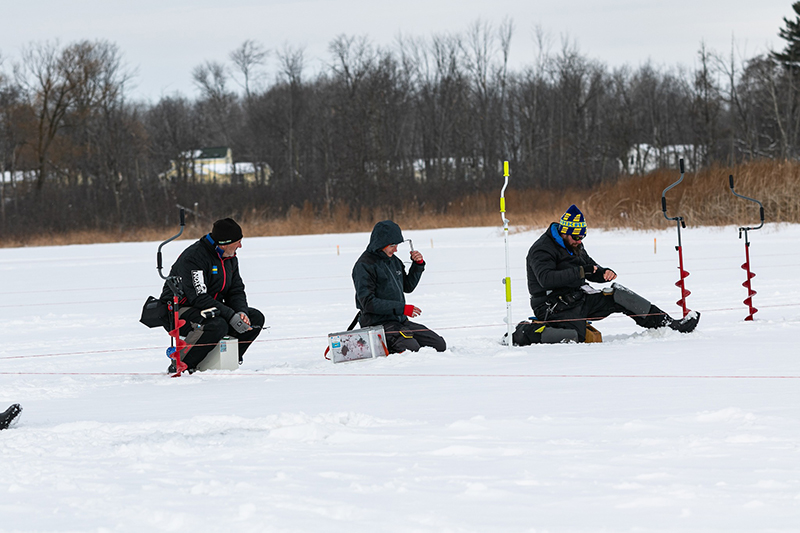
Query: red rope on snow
x=307, y=337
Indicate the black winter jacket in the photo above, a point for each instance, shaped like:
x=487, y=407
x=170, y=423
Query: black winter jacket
x=380, y=280
x=553, y=268
x=208, y=280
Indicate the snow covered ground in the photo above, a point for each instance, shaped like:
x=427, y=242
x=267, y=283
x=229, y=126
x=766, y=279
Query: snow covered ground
x=649, y=431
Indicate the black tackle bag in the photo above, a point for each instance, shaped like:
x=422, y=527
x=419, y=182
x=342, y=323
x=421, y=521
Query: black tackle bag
x=155, y=313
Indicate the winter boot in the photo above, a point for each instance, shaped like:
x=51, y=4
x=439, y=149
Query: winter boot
x=687, y=323
x=173, y=367
x=10, y=416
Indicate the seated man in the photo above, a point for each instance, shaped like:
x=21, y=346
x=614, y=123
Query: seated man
x=380, y=280
x=558, y=268
x=213, y=302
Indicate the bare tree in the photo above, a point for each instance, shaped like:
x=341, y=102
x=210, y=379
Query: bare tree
x=248, y=59
x=212, y=81
x=706, y=108
x=291, y=69
x=59, y=84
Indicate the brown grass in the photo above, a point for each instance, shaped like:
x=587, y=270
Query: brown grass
x=703, y=199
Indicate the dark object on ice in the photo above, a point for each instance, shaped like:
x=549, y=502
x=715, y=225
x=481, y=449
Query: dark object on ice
x=10, y=416
x=155, y=313
x=530, y=332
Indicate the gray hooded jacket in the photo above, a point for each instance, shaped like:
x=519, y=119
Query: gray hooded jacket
x=381, y=281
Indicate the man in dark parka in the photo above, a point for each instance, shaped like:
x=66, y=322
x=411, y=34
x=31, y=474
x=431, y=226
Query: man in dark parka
x=380, y=281
x=558, y=269
x=213, y=301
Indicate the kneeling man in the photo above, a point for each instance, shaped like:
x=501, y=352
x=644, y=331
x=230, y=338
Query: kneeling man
x=381, y=280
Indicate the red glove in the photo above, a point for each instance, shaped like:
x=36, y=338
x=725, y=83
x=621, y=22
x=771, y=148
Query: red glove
x=411, y=311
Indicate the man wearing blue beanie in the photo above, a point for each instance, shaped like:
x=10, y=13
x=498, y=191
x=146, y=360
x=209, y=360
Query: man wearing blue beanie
x=559, y=268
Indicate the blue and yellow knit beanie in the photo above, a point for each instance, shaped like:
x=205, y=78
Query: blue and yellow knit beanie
x=573, y=223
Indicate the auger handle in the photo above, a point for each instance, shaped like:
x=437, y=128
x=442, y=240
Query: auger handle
x=158, y=254
x=664, y=197
x=760, y=205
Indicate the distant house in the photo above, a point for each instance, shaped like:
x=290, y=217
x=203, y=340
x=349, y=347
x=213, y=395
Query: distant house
x=469, y=167
x=643, y=158
x=215, y=165
x=18, y=176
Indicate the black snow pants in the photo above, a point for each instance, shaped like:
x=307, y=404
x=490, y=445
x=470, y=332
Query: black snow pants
x=411, y=336
x=596, y=307
x=203, y=334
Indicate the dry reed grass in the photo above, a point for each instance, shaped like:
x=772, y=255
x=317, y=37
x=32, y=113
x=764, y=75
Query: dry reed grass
x=703, y=199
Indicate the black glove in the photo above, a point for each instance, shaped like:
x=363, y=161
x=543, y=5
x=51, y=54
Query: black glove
x=238, y=324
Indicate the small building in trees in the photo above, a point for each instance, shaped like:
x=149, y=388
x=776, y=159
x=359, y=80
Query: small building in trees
x=643, y=158
x=216, y=165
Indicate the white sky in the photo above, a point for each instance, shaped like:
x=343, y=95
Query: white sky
x=164, y=40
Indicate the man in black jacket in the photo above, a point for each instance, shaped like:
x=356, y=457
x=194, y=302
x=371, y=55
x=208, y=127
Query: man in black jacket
x=213, y=302
x=558, y=269
x=380, y=280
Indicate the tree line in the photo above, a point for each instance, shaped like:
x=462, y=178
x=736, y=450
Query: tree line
x=424, y=122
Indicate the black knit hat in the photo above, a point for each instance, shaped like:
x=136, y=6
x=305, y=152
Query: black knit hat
x=226, y=231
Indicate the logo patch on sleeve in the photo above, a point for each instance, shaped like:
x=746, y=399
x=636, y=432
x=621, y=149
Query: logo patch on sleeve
x=198, y=282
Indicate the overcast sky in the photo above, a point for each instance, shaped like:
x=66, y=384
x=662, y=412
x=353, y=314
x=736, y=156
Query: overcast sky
x=163, y=40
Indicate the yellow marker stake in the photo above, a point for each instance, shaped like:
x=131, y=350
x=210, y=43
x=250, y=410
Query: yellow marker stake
x=507, y=279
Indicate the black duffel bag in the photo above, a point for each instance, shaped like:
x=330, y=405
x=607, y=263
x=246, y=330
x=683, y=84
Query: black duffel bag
x=155, y=313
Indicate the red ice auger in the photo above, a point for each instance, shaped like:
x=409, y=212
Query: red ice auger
x=174, y=283
x=679, y=221
x=746, y=266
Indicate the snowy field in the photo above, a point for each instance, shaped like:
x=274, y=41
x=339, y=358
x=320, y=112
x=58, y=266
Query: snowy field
x=649, y=431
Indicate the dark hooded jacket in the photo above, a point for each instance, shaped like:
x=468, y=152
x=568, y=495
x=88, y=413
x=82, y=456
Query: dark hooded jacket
x=380, y=280
x=208, y=279
x=555, y=270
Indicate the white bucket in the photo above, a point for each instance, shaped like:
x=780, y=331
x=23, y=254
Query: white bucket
x=224, y=356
